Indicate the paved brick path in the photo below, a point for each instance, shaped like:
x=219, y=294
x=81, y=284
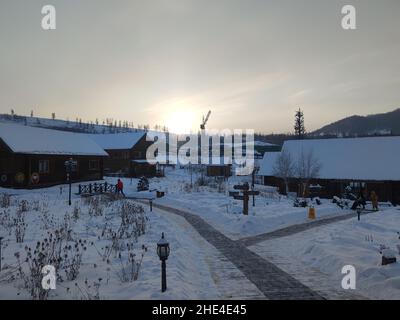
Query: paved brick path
x=297, y=228
x=273, y=282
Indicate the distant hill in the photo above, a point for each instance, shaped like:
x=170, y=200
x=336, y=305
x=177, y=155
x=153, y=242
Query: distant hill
x=375, y=124
x=66, y=125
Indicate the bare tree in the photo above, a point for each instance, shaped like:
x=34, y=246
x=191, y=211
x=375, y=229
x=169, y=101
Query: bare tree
x=284, y=168
x=307, y=168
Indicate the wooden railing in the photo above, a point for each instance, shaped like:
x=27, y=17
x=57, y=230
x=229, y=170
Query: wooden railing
x=96, y=188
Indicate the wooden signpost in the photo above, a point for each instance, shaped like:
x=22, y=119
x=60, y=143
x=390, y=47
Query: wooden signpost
x=246, y=192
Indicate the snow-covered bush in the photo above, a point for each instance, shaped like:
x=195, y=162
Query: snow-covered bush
x=23, y=206
x=89, y=291
x=5, y=200
x=6, y=221
x=96, y=206
x=130, y=264
x=76, y=212
x=19, y=226
x=133, y=220
x=54, y=250
x=73, y=258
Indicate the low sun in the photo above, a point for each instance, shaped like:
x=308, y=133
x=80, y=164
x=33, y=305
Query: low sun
x=182, y=121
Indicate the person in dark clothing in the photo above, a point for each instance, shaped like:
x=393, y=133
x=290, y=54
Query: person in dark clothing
x=120, y=187
x=362, y=198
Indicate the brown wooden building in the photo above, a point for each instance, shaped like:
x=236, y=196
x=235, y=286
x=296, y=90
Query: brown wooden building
x=127, y=153
x=34, y=157
x=372, y=163
x=219, y=170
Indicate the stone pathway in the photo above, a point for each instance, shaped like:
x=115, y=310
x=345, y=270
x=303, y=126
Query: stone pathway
x=272, y=251
x=273, y=282
x=297, y=228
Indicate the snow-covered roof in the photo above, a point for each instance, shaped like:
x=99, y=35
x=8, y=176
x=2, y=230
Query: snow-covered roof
x=30, y=140
x=267, y=163
x=117, y=141
x=264, y=144
x=371, y=158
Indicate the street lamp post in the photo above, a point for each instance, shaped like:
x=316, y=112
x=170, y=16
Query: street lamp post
x=163, y=253
x=70, y=165
x=1, y=238
x=191, y=174
x=252, y=185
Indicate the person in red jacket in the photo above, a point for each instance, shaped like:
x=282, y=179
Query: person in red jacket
x=120, y=187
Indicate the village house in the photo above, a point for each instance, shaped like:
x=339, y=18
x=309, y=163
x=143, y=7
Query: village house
x=372, y=163
x=127, y=153
x=35, y=157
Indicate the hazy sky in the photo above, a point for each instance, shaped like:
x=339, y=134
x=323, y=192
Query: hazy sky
x=253, y=62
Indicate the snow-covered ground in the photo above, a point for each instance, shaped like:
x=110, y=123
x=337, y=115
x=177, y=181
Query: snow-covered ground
x=325, y=249
x=47, y=210
x=215, y=206
x=358, y=243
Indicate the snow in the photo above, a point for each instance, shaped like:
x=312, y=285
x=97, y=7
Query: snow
x=117, y=141
x=263, y=144
x=351, y=242
x=186, y=258
x=271, y=212
x=324, y=249
x=370, y=158
x=267, y=164
x=30, y=140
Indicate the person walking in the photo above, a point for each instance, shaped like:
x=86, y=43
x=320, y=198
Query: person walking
x=362, y=198
x=374, y=200
x=120, y=187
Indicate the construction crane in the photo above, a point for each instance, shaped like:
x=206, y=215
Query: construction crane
x=205, y=119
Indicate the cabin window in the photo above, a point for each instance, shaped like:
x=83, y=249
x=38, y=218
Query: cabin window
x=44, y=166
x=94, y=164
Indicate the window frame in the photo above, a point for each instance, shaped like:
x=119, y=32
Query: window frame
x=46, y=167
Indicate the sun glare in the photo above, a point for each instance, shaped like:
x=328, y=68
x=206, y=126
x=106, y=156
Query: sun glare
x=182, y=122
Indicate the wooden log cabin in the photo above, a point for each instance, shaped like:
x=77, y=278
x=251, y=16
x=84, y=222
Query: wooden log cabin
x=35, y=157
x=372, y=163
x=127, y=153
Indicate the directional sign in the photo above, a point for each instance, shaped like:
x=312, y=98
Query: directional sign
x=233, y=193
x=241, y=187
x=256, y=193
x=238, y=197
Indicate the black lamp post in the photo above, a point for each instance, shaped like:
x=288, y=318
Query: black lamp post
x=1, y=238
x=70, y=166
x=358, y=214
x=163, y=253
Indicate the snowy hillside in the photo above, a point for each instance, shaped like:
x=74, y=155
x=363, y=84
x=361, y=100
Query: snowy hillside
x=66, y=125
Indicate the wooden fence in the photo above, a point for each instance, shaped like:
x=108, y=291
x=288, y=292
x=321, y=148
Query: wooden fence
x=96, y=188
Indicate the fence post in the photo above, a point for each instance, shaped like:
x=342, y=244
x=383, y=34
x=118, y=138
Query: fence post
x=105, y=186
x=80, y=189
x=90, y=188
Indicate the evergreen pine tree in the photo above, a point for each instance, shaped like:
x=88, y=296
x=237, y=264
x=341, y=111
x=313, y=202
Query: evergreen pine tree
x=299, y=128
